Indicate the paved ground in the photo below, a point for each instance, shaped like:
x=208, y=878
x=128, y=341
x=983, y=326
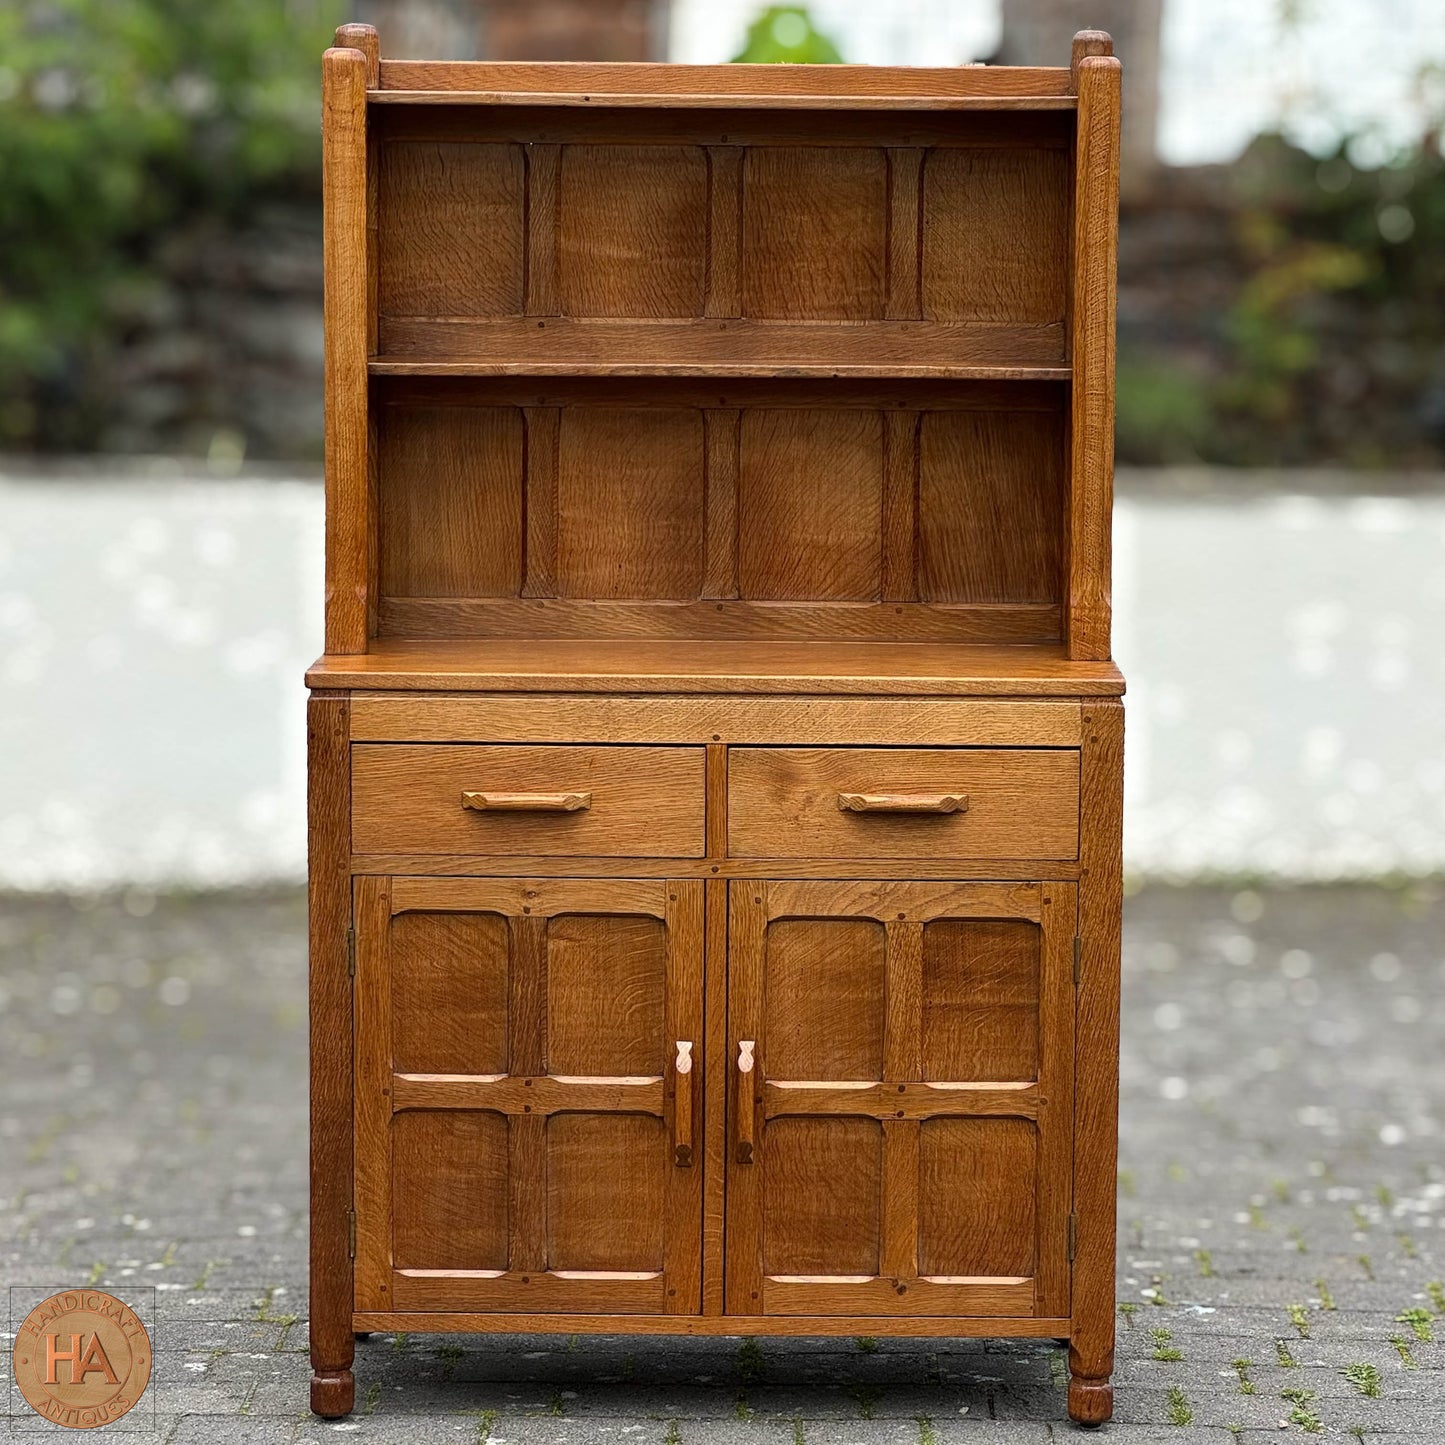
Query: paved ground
x=1282, y=1190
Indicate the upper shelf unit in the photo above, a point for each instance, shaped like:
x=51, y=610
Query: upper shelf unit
x=807, y=221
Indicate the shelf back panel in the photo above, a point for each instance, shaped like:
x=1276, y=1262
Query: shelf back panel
x=788, y=508
x=950, y=233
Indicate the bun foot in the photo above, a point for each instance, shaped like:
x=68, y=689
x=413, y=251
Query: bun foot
x=333, y=1393
x=1091, y=1402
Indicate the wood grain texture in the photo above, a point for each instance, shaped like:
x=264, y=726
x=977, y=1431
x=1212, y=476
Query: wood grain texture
x=447, y=1212
x=451, y=229
x=899, y=581
x=724, y=230
x=560, y=718
x=991, y=507
x=995, y=235
x=647, y=100
x=980, y=1326
x=814, y=233
x=809, y=486
x=328, y=823
x=705, y=666
x=981, y=980
x=365, y=39
x=408, y=799
x=976, y=1198
x=630, y=504
x=521, y=865
x=1091, y=348
x=543, y=429
x=606, y=1189
x=449, y=993
x=631, y=231
x=822, y=1196
x=544, y=162
x=720, y=541
x=905, y=231
x=606, y=991
x=730, y=81
x=723, y=348
x=349, y=559
x=450, y=481
x=1021, y=803
x=713, y=1066
x=1028, y=624
x=1096, y=1065
x=824, y=981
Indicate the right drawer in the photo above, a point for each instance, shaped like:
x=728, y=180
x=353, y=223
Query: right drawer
x=903, y=803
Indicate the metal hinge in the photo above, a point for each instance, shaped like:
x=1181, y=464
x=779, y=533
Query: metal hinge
x=1073, y=1236
x=351, y=952
x=351, y=1235
x=1078, y=956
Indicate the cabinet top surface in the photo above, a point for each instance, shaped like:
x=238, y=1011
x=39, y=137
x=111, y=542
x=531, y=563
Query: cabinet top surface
x=601, y=84
x=656, y=665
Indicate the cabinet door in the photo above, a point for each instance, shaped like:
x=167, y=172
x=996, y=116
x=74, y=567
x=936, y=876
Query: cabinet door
x=522, y=1138
x=901, y=1142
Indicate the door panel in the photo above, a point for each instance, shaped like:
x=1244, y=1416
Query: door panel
x=901, y=1143
x=516, y=1084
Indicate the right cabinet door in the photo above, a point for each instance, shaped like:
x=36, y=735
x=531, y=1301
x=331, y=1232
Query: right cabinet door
x=900, y=1098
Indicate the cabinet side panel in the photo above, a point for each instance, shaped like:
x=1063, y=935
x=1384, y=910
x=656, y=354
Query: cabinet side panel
x=1096, y=1031
x=330, y=1006
x=1091, y=345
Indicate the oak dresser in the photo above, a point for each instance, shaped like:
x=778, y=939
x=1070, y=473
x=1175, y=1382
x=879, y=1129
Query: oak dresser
x=716, y=759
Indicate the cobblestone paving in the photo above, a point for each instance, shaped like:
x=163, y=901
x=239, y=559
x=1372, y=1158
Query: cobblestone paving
x=1282, y=1267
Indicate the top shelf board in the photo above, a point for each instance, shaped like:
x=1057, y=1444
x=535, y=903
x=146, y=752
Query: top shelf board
x=653, y=101
x=784, y=87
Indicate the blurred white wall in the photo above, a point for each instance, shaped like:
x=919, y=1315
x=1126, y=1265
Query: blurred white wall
x=1229, y=68
x=1286, y=707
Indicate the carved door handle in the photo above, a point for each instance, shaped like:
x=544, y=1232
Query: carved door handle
x=527, y=802
x=747, y=1100
x=903, y=802
x=682, y=1106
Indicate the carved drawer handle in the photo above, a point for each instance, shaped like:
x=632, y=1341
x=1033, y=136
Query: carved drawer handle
x=903, y=802
x=682, y=1106
x=527, y=802
x=747, y=1100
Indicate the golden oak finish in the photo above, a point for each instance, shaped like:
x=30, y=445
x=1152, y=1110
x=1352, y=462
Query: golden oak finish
x=716, y=762
x=427, y=799
x=895, y=803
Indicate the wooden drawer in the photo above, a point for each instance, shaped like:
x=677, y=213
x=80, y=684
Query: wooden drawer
x=991, y=802
x=533, y=801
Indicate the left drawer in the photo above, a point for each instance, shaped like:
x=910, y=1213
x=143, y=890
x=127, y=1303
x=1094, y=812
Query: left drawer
x=543, y=801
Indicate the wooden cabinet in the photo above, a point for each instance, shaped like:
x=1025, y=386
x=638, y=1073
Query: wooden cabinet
x=716, y=759
x=525, y=1116
x=902, y=1062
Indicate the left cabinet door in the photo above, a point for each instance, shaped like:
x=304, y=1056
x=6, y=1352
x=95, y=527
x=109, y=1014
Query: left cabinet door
x=522, y=1139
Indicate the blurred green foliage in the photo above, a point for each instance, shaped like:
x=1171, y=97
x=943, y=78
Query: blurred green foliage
x=1332, y=346
x=119, y=121
x=785, y=34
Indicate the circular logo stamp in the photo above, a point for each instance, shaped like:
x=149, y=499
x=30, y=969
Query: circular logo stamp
x=82, y=1358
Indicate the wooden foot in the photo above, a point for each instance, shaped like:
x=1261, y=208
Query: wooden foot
x=333, y=1393
x=1091, y=1402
